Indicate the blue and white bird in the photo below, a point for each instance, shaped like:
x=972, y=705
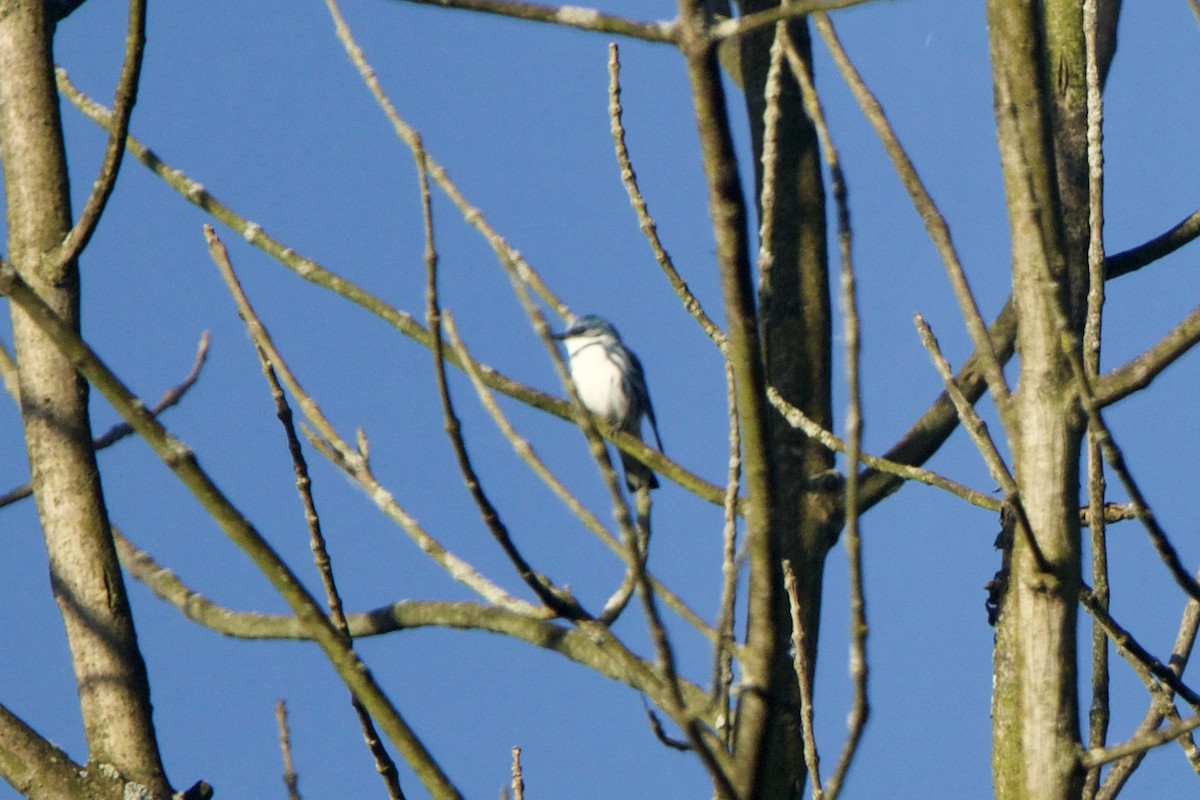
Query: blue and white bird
x=612, y=385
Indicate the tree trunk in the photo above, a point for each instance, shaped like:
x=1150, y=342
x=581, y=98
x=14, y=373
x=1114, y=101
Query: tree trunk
x=794, y=314
x=1037, y=63
x=86, y=579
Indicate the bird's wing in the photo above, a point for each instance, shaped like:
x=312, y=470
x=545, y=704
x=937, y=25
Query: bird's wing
x=638, y=377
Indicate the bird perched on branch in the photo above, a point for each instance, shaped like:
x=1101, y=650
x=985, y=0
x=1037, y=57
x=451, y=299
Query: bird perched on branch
x=612, y=385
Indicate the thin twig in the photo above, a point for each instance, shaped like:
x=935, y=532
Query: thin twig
x=518, y=777
x=558, y=600
x=798, y=419
x=646, y=222
x=710, y=753
x=505, y=253
x=123, y=101
x=1098, y=710
x=384, y=764
x=741, y=26
x=122, y=429
x=1131, y=650
x=1116, y=460
x=935, y=223
x=1144, y=368
x=1185, y=641
x=769, y=159
x=656, y=727
x=722, y=679
x=1139, y=744
x=977, y=429
x=812, y=759
x=1133, y=259
x=860, y=706
x=290, y=780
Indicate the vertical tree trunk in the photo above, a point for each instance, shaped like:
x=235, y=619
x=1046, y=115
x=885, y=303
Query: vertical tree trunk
x=87, y=582
x=794, y=312
x=1037, y=63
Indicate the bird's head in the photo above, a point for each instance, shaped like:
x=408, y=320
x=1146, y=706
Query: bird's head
x=588, y=329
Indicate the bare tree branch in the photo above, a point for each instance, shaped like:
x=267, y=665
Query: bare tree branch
x=1098, y=710
x=352, y=460
x=797, y=418
x=640, y=208
x=384, y=765
x=1161, y=246
x=935, y=223
x=122, y=429
x=586, y=19
x=1133, y=651
x=559, y=600
x=580, y=645
x=1139, y=372
x=290, y=781
x=977, y=429
x=811, y=755
x=1185, y=641
x=749, y=23
x=123, y=101
x=728, y=212
x=181, y=461
x=723, y=645
x=41, y=771
x=1139, y=744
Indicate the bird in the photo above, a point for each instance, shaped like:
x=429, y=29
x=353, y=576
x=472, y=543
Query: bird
x=612, y=385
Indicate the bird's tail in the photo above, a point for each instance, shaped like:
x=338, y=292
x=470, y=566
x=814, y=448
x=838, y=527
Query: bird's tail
x=637, y=474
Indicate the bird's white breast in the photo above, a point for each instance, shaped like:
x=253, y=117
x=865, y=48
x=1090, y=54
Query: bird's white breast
x=598, y=381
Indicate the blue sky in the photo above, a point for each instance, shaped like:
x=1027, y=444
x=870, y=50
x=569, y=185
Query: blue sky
x=259, y=103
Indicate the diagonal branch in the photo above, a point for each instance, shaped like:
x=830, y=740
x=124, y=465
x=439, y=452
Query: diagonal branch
x=977, y=430
x=39, y=770
x=935, y=223
x=1133, y=651
x=640, y=208
x=586, y=19
x=1187, y=230
x=1141, y=370
x=123, y=101
x=1185, y=641
x=122, y=429
x=588, y=646
x=384, y=765
x=749, y=23
x=182, y=462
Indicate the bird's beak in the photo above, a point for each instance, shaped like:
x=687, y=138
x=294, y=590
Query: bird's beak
x=559, y=336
